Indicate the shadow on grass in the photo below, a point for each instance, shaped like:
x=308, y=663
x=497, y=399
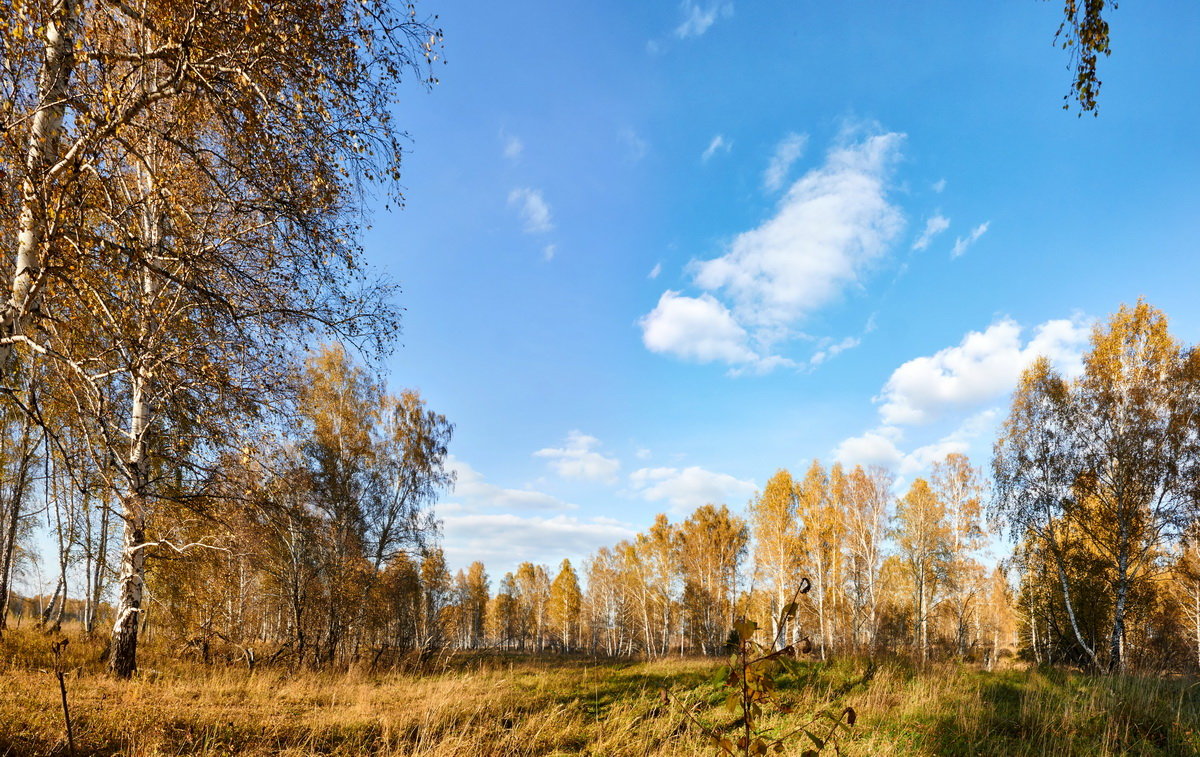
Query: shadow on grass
x=1053, y=712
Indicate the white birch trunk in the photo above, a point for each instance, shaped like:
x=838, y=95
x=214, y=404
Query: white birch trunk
x=131, y=583
x=1196, y=616
x=45, y=139
x=821, y=602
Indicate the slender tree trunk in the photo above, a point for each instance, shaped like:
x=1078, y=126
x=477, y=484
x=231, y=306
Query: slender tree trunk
x=89, y=557
x=98, y=566
x=64, y=529
x=923, y=619
x=131, y=583
x=1033, y=632
x=6, y=559
x=821, y=601
x=1195, y=617
x=45, y=138
x=1066, y=592
x=17, y=490
x=649, y=633
x=48, y=610
x=1116, y=649
x=995, y=642
x=873, y=604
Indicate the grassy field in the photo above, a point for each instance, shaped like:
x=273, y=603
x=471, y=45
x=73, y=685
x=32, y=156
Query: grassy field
x=500, y=705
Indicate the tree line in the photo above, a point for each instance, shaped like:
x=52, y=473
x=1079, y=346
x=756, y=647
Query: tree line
x=1095, y=479
x=316, y=542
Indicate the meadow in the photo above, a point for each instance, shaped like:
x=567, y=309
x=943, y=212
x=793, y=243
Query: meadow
x=492, y=704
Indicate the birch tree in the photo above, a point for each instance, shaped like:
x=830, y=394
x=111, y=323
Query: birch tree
x=188, y=212
x=819, y=509
x=712, y=546
x=291, y=87
x=866, y=527
x=773, y=522
x=1033, y=475
x=960, y=488
x=1105, y=466
x=923, y=541
x=565, y=606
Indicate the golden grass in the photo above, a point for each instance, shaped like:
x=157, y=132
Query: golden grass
x=508, y=706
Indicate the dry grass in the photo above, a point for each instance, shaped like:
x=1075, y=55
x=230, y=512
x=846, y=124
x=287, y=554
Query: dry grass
x=483, y=706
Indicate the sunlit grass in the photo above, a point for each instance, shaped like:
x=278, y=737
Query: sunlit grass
x=499, y=705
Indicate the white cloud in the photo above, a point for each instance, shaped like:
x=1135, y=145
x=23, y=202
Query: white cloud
x=876, y=447
x=513, y=147
x=982, y=367
x=695, y=328
x=535, y=213
x=962, y=243
x=657, y=269
x=830, y=226
x=934, y=226
x=880, y=446
x=502, y=540
x=578, y=459
x=698, y=18
x=954, y=383
x=833, y=350
x=939, y=186
x=549, y=251
x=643, y=453
x=828, y=229
x=957, y=441
x=787, y=152
x=718, y=144
x=687, y=488
x=474, y=493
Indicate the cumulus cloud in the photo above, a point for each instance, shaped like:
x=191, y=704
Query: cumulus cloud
x=983, y=366
x=829, y=227
x=696, y=328
x=881, y=446
x=688, y=488
x=657, y=269
x=939, y=186
x=875, y=447
x=962, y=243
x=473, y=493
x=934, y=226
x=699, y=17
x=549, y=251
x=718, y=144
x=958, y=441
x=960, y=385
x=578, y=458
x=787, y=152
x=532, y=207
x=827, y=231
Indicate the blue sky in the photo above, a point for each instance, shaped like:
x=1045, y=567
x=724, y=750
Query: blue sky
x=652, y=252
